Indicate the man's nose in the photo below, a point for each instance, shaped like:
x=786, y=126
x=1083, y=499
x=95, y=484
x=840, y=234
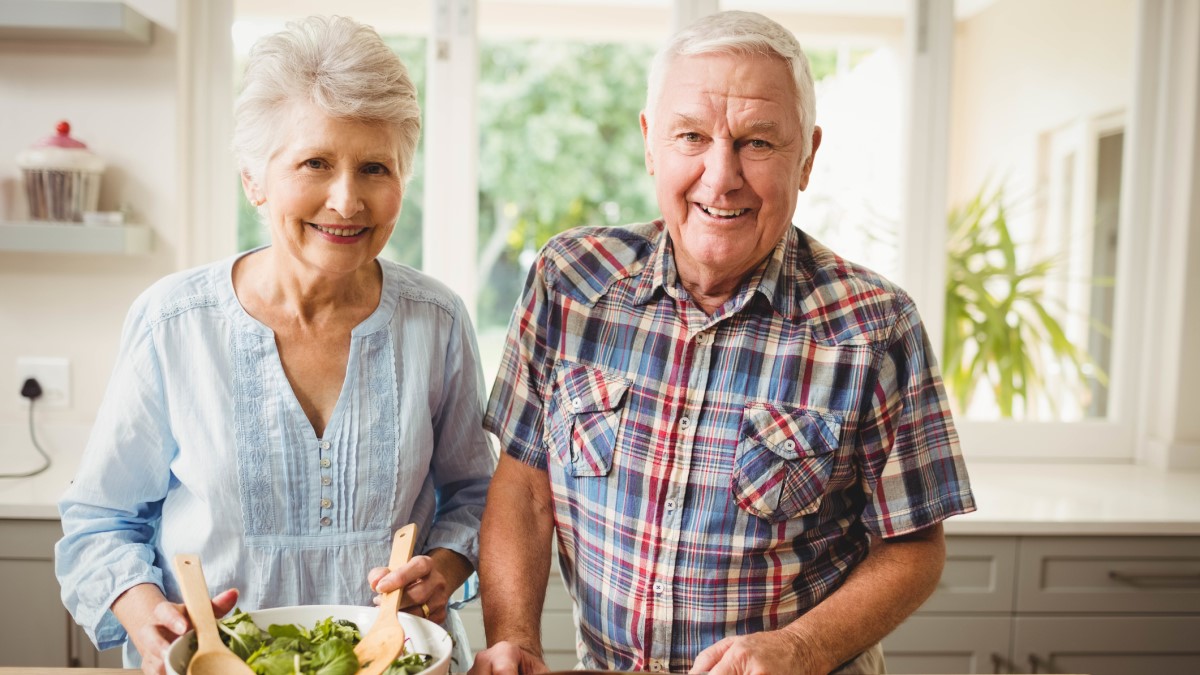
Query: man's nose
x=344, y=196
x=722, y=168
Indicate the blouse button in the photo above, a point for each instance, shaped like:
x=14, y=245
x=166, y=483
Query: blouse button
x=326, y=480
x=325, y=503
x=324, y=445
x=325, y=463
x=326, y=522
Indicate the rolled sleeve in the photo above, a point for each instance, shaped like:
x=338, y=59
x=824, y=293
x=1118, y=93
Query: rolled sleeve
x=112, y=509
x=913, y=471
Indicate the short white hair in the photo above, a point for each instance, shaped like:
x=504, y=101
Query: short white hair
x=335, y=63
x=736, y=32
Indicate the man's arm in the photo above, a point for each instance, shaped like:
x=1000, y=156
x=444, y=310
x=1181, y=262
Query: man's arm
x=514, y=566
x=889, y=585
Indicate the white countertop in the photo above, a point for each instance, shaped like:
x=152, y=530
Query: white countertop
x=1013, y=499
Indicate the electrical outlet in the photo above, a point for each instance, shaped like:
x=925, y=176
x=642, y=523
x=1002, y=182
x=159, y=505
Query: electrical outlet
x=54, y=376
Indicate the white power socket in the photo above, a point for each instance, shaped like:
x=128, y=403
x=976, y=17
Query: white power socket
x=52, y=374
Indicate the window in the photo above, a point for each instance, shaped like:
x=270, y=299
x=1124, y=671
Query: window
x=533, y=104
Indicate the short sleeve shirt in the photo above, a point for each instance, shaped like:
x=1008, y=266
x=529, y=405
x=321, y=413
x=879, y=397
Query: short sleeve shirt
x=719, y=474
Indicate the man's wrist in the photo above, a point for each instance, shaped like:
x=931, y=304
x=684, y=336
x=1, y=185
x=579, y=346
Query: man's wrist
x=807, y=648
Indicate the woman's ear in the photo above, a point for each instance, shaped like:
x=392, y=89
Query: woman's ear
x=253, y=192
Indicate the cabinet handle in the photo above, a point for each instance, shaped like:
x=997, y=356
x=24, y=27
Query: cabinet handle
x=1001, y=664
x=1155, y=580
x=1036, y=663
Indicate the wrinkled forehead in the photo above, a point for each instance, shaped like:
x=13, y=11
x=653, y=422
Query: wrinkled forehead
x=729, y=81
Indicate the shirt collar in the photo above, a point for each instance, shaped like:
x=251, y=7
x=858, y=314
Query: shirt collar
x=776, y=279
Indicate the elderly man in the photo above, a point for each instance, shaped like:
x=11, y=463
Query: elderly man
x=740, y=439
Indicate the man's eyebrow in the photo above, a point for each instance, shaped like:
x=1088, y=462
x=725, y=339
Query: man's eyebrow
x=685, y=120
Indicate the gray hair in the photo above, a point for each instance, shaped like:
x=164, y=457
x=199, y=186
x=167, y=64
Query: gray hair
x=736, y=32
x=341, y=66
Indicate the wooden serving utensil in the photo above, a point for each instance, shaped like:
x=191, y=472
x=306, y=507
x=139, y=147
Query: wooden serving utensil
x=212, y=657
x=385, y=641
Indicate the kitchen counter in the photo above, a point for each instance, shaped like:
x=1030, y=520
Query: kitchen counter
x=1013, y=499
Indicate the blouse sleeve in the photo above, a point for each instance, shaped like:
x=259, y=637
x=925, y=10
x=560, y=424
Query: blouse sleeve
x=463, y=458
x=111, y=511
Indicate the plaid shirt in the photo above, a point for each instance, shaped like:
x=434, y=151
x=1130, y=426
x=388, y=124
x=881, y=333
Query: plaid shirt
x=718, y=475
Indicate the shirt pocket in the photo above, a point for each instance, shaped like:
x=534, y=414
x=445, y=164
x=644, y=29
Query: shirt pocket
x=590, y=403
x=784, y=459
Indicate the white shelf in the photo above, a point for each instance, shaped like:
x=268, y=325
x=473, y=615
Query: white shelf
x=73, y=21
x=50, y=237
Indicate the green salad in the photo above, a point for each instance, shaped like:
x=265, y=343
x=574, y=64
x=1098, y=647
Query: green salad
x=325, y=649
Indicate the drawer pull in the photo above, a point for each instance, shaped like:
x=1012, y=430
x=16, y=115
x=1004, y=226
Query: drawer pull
x=1001, y=664
x=1155, y=580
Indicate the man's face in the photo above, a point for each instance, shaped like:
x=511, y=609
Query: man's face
x=725, y=150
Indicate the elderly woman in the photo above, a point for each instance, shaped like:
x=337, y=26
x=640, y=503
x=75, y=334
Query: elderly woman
x=282, y=412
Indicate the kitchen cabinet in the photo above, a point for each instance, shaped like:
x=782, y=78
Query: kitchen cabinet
x=1097, y=605
x=36, y=629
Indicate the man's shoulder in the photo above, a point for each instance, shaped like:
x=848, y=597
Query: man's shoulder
x=584, y=262
x=849, y=300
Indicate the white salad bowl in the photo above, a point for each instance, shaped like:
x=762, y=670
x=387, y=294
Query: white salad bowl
x=421, y=635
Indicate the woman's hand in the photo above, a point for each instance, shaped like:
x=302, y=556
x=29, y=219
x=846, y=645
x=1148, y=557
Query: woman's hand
x=428, y=582
x=153, y=622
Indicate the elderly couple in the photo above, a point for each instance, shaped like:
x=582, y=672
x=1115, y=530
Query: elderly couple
x=740, y=439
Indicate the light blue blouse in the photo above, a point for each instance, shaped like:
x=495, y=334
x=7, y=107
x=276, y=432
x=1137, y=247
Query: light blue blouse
x=200, y=446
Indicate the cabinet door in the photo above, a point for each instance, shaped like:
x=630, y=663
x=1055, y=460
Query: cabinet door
x=978, y=576
x=1109, y=574
x=948, y=644
x=34, y=626
x=1115, y=645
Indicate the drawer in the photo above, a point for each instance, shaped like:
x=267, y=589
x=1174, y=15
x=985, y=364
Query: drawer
x=942, y=644
x=978, y=576
x=1109, y=574
x=29, y=539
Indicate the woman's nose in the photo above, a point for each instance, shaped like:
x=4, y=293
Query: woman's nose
x=344, y=198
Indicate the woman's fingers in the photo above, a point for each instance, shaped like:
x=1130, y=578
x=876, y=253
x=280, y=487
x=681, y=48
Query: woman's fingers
x=170, y=617
x=224, y=602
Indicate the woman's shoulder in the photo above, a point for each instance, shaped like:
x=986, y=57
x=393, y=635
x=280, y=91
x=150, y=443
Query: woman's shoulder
x=180, y=291
x=416, y=286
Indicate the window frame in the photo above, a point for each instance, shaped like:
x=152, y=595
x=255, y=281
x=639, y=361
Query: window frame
x=1148, y=400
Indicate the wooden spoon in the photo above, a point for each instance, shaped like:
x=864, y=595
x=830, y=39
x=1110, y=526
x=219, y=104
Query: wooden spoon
x=385, y=641
x=212, y=657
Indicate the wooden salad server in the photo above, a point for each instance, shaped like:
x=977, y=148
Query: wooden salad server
x=385, y=641
x=212, y=656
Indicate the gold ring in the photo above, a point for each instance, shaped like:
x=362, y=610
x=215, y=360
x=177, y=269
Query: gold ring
x=425, y=609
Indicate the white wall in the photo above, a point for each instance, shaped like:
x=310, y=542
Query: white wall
x=121, y=101
x=1022, y=68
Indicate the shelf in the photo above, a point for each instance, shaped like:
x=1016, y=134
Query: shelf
x=73, y=21
x=49, y=237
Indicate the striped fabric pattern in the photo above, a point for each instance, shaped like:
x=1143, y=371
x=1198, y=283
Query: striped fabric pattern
x=718, y=475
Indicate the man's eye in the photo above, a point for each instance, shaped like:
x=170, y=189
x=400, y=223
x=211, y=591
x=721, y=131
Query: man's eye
x=759, y=144
x=690, y=137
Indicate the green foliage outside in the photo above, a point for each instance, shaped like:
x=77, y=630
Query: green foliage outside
x=1001, y=330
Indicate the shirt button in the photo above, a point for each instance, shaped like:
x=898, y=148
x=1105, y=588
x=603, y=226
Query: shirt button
x=326, y=480
x=685, y=423
x=324, y=445
x=325, y=463
x=704, y=338
x=654, y=667
x=576, y=403
x=658, y=587
x=326, y=522
x=325, y=503
x=789, y=444
x=670, y=504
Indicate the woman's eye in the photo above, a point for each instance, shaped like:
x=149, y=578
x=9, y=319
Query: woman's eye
x=376, y=169
x=313, y=163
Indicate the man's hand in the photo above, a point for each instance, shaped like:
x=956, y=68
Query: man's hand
x=506, y=658
x=153, y=622
x=768, y=653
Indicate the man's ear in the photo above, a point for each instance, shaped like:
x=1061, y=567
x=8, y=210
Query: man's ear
x=646, y=143
x=806, y=171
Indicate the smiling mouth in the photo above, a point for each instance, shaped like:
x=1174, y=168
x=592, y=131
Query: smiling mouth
x=339, y=231
x=722, y=213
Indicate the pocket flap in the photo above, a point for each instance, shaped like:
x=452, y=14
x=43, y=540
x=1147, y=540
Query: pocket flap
x=790, y=432
x=588, y=389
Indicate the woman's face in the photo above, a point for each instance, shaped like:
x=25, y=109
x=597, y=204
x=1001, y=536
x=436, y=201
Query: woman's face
x=332, y=188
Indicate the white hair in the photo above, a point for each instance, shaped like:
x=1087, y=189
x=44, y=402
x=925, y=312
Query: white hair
x=341, y=66
x=736, y=32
